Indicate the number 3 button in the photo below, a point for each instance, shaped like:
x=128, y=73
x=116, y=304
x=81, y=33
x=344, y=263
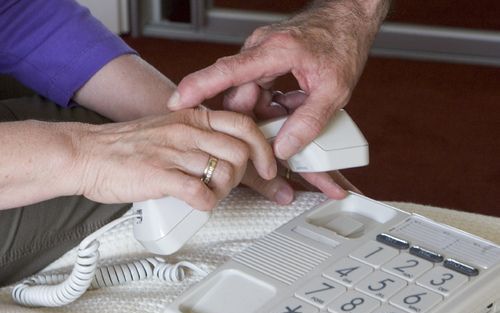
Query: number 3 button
x=442, y=280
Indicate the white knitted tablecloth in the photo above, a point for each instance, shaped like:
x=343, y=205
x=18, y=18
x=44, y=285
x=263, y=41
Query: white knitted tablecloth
x=239, y=220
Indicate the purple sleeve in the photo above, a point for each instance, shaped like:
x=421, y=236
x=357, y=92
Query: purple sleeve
x=54, y=46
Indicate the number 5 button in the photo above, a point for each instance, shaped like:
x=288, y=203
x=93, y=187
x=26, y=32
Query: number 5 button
x=416, y=299
x=381, y=285
x=442, y=280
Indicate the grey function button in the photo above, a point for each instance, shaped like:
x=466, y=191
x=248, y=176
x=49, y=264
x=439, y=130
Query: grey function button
x=426, y=254
x=460, y=267
x=392, y=241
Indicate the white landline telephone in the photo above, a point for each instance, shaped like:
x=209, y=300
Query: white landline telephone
x=354, y=255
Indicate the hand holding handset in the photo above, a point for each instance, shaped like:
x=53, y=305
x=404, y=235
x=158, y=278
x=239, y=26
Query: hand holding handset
x=168, y=223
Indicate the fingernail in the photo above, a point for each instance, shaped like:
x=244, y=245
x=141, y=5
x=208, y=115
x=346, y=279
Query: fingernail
x=284, y=195
x=287, y=147
x=174, y=101
x=272, y=171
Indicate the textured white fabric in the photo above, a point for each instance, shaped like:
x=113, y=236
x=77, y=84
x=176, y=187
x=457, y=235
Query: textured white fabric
x=239, y=220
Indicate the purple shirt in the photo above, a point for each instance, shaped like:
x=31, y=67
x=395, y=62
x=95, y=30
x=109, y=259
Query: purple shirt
x=54, y=46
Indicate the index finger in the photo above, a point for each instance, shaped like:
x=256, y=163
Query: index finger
x=249, y=65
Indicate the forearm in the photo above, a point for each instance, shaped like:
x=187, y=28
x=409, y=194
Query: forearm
x=37, y=161
x=126, y=88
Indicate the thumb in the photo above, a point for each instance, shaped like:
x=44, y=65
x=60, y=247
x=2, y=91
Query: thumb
x=304, y=125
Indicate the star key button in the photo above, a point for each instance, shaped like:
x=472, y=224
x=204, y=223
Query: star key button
x=294, y=305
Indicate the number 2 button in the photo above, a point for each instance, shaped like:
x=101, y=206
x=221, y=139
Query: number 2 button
x=407, y=266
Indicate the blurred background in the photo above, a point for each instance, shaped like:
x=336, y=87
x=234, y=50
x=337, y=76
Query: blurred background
x=428, y=101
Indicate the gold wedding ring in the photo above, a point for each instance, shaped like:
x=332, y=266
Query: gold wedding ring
x=209, y=170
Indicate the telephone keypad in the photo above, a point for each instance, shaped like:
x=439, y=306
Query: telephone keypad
x=377, y=278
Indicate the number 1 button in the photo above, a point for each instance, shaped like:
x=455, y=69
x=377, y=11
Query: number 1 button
x=374, y=253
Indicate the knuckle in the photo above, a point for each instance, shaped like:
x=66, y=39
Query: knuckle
x=194, y=188
x=225, y=65
x=241, y=155
x=225, y=175
x=244, y=123
x=312, y=120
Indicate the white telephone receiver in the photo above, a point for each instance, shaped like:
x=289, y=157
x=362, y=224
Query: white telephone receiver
x=168, y=223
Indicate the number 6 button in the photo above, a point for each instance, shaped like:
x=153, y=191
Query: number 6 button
x=442, y=280
x=416, y=299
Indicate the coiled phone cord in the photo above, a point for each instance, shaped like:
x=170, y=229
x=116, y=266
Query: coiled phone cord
x=53, y=290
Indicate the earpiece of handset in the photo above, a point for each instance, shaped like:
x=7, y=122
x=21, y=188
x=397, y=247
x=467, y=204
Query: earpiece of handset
x=166, y=224
x=340, y=145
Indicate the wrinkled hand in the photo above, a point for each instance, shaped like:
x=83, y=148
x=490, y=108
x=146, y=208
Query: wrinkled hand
x=279, y=189
x=166, y=155
x=325, y=48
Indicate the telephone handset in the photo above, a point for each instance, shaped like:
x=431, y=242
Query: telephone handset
x=166, y=224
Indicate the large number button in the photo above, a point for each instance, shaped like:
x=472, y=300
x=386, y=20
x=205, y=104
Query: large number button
x=374, y=253
x=407, y=266
x=416, y=299
x=348, y=271
x=320, y=291
x=381, y=285
x=388, y=309
x=442, y=280
x=353, y=302
x=294, y=305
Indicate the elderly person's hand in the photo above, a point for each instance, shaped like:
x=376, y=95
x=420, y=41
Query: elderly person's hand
x=166, y=155
x=325, y=48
